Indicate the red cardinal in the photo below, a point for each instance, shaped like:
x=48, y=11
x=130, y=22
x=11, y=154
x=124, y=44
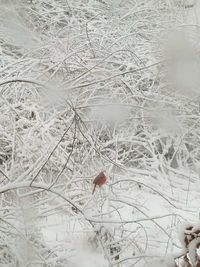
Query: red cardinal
x=99, y=180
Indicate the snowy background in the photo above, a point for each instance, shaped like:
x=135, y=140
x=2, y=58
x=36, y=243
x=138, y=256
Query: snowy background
x=99, y=85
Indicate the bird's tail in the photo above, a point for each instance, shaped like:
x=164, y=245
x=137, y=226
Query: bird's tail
x=94, y=189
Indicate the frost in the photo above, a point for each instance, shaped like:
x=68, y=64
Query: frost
x=91, y=86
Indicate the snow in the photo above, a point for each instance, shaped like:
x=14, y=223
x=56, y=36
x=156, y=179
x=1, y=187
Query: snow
x=98, y=85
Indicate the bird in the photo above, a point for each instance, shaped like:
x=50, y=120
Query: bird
x=99, y=180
